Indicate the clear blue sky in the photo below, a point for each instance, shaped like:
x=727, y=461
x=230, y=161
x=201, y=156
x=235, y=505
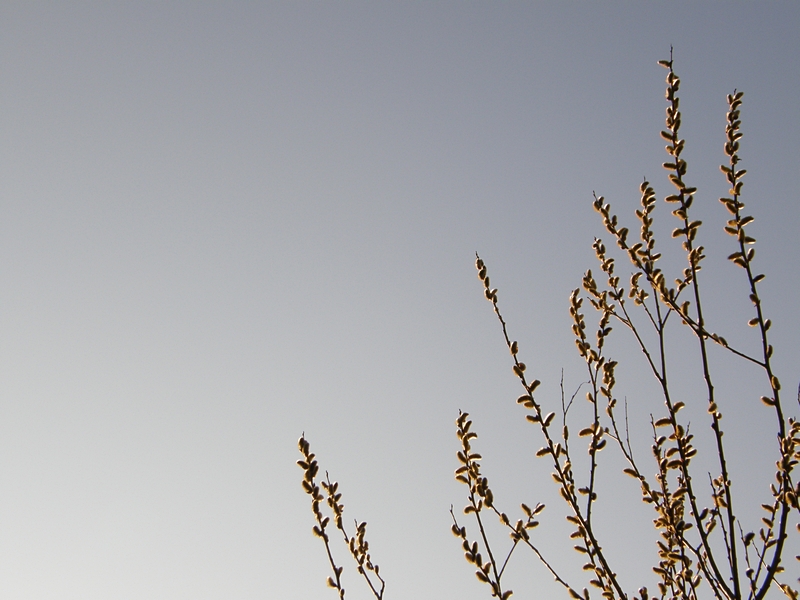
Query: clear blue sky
x=224, y=224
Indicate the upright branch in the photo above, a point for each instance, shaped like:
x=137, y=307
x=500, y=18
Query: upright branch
x=676, y=565
x=480, y=497
x=683, y=197
x=773, y=535
x=357, y=544
x=557, y=450
x=310, y=470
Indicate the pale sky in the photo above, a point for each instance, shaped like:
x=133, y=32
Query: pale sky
x=224, y=224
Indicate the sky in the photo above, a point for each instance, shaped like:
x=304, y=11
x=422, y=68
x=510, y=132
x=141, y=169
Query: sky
x=226, y=224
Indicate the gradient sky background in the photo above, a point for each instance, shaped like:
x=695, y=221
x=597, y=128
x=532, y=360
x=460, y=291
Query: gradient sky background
x=224, y=224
